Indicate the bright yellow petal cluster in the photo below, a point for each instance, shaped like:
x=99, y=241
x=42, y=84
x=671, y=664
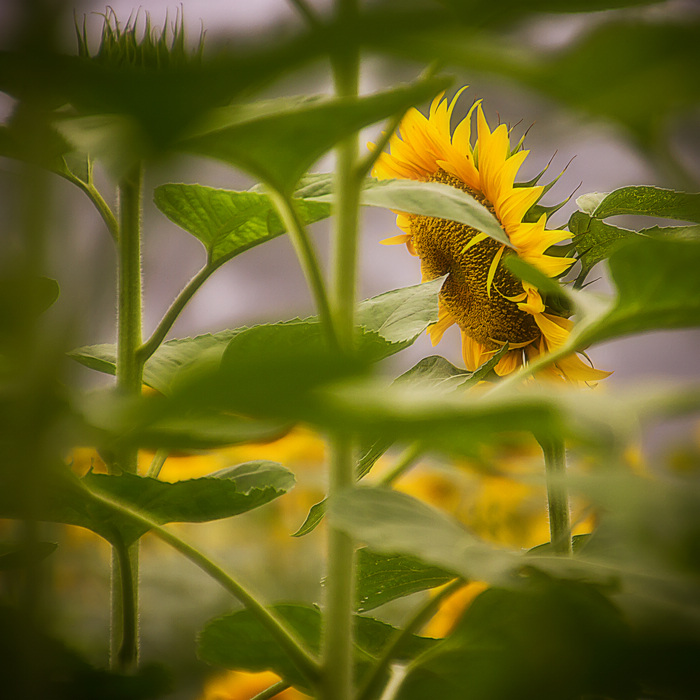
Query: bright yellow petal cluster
x=425, y=148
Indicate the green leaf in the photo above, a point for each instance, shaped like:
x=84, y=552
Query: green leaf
x=649, y=201
x=239, y=641
x=60, y=672
x=382, y=578
x=14, y=555
x=394, y=523
x=171, y=357
x=228, y=222
x=431, y=371
x=595, y=241
x=397, y=317
x=387, y=324
x=412, y=197
x=658, y=288
x=550, y=640
x=605, y=73
x=236, y=490
x=278, y=140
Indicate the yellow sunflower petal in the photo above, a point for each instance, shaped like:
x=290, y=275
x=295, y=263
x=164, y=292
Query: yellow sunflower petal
x=474, y=354
x=445, y=320
x=396, y=240
x=509, y=363
x=575, y=369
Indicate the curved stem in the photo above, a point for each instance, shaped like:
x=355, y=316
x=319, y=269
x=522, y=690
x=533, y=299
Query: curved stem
x=153, y=343
x=557, y=495
x=285, y=637
x=417, y=620
x=404, y=462
x=272, y=691
x=98, y=200
x=307, y=259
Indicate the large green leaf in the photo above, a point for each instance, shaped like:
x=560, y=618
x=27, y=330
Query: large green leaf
x=239, y=641
x=278, y=141
x=394, y=523
x=551, y=640
x=382, y=578
x=387, y=323
x=413, y=197
x=221, y=495
x=228, y=222
x=167, y=360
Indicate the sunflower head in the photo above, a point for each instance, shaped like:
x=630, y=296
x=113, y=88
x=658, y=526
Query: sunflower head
x=490, y=305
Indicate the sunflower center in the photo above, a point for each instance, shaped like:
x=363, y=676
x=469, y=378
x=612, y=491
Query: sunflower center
x=489, y=319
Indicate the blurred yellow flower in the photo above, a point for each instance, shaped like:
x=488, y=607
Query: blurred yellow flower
x=240, y=685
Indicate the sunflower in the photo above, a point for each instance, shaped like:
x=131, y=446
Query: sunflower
x=490, y=305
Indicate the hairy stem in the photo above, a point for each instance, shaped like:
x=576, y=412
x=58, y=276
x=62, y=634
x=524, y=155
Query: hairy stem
x=308, y=261
x=337, y=642
x=171, y=315
x=124, y=637
x=557, y=495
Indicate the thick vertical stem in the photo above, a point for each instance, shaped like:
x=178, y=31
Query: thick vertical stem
x=557, y=496
x=337, y=676
x=124, y=638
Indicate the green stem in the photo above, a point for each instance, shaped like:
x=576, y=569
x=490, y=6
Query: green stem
x=124, y=635
x=414, y=624
x=285, y=637
x=337, y=642
x=557, y=495
x=102, y=207
x=307, y=259
x=404, y=462
x=272, y=691
x=340, y=587
x=128, y=652
x=157, y=463
x=153, y=343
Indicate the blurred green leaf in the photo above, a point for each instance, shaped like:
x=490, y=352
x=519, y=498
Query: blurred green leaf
x=55, y=671
x=606, y=73
x=68, y=500
x=227, y=222
x=277, y=141
x=550, y=640
x=15, y=555
x=413, y=197
x=239, y=641
x=394, y=523
x=382, y=578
